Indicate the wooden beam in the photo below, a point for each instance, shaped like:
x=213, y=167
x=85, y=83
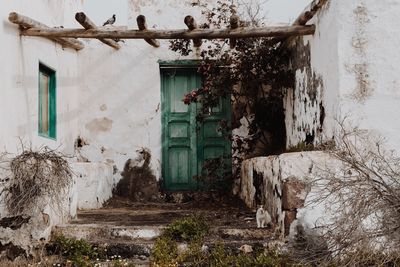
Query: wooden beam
x=142, y=25
x=192, y=25
x=234, y=23
x=26, y=23
x=248, y=32
x=88, y=24
x=309, y=12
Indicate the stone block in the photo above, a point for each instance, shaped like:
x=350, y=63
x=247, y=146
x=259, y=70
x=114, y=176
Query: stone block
x=294, y=193
x=290, y=216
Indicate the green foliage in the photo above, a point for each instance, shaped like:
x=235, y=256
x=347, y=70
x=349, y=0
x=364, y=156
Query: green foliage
x=192, y=231
x=302, y=146
x=222, y=257
x=78, y=252
x=187, y=229
x=165, y=251
x=253, y=75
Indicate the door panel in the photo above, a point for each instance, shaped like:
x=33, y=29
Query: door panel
x=211, y=141
x=186, y=143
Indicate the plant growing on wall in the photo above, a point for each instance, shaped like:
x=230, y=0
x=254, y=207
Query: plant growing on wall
x=252, y=74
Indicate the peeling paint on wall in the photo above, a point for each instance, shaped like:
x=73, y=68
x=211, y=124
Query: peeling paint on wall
x=305, y=112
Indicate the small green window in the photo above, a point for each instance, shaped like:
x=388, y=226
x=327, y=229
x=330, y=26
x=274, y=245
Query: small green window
x=47, y=102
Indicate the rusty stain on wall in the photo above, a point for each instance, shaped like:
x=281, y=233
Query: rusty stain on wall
x=103, y=107
x=136, y=5
x=360, y=68
x=99, y=125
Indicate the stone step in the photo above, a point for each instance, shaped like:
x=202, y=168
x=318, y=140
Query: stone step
x=94, y=232
x=136, y=242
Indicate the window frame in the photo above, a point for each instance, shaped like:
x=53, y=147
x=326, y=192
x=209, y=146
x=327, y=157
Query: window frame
x=52, y=102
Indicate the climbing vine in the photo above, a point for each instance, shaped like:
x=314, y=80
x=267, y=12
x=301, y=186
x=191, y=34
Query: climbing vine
x=253, y=75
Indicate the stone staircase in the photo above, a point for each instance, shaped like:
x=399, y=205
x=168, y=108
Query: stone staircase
x=131, y=231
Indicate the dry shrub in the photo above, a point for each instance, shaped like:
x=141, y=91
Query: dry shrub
x=34, y=179
x=362, y=197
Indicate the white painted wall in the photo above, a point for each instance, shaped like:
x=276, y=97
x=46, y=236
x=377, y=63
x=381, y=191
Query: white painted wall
x=354, y=51
x=20, y=57
x=19, y=68
x=93, y=185
x=369, y=36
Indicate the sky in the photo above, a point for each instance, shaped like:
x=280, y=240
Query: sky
x=275, y=11
x=284, y=11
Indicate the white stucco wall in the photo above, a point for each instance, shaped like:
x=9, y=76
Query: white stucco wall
x=354, y=52
x=20, y=58
x=369, y=63
x=93, y=184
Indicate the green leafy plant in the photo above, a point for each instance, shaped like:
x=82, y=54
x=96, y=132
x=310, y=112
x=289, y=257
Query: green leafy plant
x=302, y=146
x=187, y=229
x=78, y=252
x=190, y=229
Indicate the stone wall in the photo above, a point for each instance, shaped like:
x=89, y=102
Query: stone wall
x=282, y=184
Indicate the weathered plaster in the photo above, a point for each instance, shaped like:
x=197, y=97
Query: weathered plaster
x=94, y=183
x=352, y=54
x=275, y=171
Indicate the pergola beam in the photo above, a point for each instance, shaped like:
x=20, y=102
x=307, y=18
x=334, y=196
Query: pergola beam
x=142, y=25
x=309, y=12
x=27, y=23
x=88, y=24
x=192, y=25
x=234, y=24
x=246, y=32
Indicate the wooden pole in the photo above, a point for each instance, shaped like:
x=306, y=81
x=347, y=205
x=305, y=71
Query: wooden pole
x=88, y=24
x=303, y=18
x=142, y=25
x=192, y=25
x=234, y=22
x=309, y=12
x=250, y=32
x=26, y=23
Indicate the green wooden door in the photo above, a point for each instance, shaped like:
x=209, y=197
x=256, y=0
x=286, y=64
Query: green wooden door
x=186, y=143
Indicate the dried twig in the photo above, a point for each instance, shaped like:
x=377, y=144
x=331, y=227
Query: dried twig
x=364, y=198
x=34, y=179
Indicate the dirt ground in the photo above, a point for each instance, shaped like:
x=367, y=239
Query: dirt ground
x=123, y=212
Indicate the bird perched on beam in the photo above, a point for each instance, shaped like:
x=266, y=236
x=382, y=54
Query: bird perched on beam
x=110, y=21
